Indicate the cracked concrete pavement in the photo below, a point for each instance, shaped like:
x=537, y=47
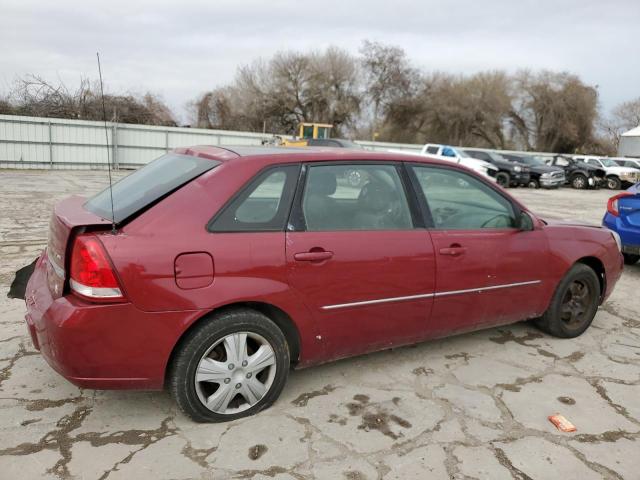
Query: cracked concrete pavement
x=473, y=406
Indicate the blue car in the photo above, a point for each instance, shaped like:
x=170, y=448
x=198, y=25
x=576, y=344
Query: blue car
x=623, y=217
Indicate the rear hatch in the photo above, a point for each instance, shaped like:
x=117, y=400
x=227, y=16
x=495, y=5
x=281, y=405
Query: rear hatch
x=127, y=199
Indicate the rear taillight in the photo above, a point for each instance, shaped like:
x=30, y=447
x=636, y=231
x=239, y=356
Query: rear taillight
x=612, y=204
x=92, y=275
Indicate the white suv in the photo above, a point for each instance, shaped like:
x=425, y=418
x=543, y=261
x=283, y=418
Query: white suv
x=452, y=154
x=617, y=176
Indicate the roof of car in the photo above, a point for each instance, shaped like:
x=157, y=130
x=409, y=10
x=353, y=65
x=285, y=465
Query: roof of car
x=271, y=154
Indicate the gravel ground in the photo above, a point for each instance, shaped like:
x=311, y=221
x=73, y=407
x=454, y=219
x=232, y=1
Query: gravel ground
x=471, y=406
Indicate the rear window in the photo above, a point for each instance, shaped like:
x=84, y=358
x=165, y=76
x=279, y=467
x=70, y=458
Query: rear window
x=147, y=185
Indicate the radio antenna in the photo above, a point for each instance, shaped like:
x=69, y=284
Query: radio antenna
x=106, y=137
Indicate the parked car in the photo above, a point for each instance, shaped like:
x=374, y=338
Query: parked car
x=627, y=162
x=579, y=175
x=540, y=174
x=623, y=217
x=616, y=176
x=452, y=154
x=224, y=267
x=510, y=174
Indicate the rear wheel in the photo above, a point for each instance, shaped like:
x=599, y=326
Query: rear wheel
x=630, y=259
x=579, y=181
x=232, y=366
x=503, y=179
x=614, y=183
x=574, y=304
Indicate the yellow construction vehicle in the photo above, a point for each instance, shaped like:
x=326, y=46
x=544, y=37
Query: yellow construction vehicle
x=307, y=131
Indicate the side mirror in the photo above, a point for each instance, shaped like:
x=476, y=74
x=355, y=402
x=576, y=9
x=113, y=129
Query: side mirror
x=525, y=222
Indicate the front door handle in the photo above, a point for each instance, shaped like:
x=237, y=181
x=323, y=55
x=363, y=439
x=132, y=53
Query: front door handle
x=315, y=256
x=454, y=250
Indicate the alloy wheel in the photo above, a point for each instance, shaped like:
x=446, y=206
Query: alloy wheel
x=579, y=182
x=235, y=373
x=575, y=303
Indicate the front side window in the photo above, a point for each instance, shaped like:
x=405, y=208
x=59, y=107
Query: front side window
x=355, y=197
x=262, y=206
x=458, y=201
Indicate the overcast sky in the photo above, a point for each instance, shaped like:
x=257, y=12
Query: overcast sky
x=181, y=49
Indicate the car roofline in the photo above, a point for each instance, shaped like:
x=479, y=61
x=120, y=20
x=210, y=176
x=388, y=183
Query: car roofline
x=306, y=154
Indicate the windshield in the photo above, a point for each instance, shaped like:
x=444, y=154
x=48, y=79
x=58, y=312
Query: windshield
x=462, y=153
x=148, y=184
x=607, y=162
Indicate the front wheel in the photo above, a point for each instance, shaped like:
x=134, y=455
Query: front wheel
x=574, y=303
x=503, y=179
x=233, y=365
x=533, y=183
x=630, y=259
x=614, y=183
x=579, y=182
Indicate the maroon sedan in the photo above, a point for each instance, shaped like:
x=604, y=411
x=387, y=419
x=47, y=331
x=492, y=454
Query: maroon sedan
x=226, y=267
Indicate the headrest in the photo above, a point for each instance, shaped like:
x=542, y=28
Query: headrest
x=323, y=183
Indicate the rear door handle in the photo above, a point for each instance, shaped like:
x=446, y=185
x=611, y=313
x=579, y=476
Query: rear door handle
x=453, y=250
x=313, y=256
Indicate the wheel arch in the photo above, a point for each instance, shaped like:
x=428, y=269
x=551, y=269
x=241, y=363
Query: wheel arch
x=282, y=319
x=597, y=266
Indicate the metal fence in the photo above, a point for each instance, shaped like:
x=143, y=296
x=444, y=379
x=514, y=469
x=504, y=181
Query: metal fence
x=33, y=142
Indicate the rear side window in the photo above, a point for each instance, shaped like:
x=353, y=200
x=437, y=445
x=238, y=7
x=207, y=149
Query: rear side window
x=355, y=197
x=147, y=185
x=262, y=206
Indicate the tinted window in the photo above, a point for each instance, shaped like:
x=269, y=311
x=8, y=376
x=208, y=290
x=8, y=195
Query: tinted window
x=307, y=131
x=148, y=184
x=262, y=206
x=355, y=197
x=458, y=201
x=448, y=152
x=433, y=150
x=479, y=155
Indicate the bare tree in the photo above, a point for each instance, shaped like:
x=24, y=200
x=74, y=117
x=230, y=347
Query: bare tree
x=390, y=80
x=35, y=96
x=553, y=112
x=624, y=117
x=291, y=88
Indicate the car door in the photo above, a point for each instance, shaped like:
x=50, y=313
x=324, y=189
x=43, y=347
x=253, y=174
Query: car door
x=489, y=271
x=357, y=257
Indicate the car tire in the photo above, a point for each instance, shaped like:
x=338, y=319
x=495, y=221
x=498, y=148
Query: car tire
x=614, y=183
x=574, y=303
x=209, y=348
x=579, y=182
x=630, y=259
x=503, y=179
x=533, y=183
